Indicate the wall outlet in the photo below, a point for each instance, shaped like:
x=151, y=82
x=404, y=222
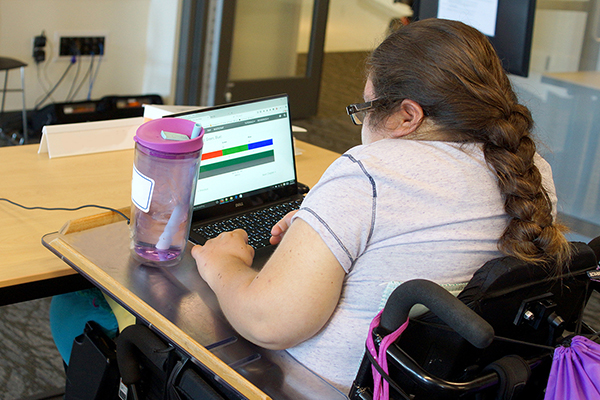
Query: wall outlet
x=39, y=52
x=81, y=45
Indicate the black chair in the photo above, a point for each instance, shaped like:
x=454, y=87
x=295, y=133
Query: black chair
x=6, y=64
x=502, y=350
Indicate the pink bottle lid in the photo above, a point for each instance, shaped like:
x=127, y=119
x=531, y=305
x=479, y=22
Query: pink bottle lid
x=149, y=135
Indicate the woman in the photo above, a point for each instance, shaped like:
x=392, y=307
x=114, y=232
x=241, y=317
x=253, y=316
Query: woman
x=447, y=178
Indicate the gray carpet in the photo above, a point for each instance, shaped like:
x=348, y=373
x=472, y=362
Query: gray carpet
x=29, y=362
x=341, y=84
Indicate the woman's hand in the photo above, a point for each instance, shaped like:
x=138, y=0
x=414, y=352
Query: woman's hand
x=229, y=250
x=292, y=296
x=281, y=228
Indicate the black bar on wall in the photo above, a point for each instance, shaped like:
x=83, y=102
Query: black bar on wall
x=191, y=49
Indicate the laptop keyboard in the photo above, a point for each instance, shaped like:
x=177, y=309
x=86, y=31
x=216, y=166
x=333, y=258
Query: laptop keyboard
x=257, y=224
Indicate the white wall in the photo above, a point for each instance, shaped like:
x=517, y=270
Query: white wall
x=268, y=34
x=265, y=39
x=360, y=25
x=130, y=66
x=161, y=48
x=141, y=43
x=557, y=40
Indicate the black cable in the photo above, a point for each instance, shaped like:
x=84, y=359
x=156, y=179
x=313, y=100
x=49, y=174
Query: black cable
x=89, y=95
x=37, y=66
x=95, y=74
x=82, y=82
x=66, y=209
x=78, y=62
x=385, y=376
x=521, y=342
x=55, y=86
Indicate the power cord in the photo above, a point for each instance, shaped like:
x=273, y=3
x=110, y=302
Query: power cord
x=75, y=78
x=89, y=95
x=73, y=60
x=88, y=72
x=93, y=77
x=66, y=209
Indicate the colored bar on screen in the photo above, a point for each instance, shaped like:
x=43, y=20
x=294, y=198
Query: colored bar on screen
x=262, y=143
x=236, y=164
x=212, y=154
x=237, y=149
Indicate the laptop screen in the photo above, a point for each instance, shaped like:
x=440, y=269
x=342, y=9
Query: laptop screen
x=247, y=154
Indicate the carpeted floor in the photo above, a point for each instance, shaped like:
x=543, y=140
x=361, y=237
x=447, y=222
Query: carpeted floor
x=341, y=84
x=29, y=361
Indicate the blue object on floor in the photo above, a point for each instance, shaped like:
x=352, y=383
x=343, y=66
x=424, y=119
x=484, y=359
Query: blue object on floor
x=69, y=313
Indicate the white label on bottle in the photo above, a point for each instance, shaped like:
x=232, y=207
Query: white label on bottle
x=141, y=190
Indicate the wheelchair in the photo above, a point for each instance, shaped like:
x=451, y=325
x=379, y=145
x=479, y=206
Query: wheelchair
x=494, y=341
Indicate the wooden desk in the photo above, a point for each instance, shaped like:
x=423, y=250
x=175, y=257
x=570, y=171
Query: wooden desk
x=27, y=269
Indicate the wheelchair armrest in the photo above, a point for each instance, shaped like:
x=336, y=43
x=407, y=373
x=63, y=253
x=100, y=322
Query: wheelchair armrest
x=440, y=388
x=443, y=304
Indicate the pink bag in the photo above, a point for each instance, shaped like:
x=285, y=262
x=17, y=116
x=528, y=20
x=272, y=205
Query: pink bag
x=381, y=389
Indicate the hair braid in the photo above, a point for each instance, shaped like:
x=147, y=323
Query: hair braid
x=531, y=234
x=453, y=72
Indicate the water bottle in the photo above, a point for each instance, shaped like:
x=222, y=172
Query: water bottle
x=163, y=185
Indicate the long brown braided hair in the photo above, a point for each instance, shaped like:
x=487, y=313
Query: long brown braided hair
x=453, y=72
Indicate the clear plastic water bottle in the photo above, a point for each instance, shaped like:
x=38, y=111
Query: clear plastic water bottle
x=163, y=185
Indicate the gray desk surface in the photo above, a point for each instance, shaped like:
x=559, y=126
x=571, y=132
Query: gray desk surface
x=178, y=304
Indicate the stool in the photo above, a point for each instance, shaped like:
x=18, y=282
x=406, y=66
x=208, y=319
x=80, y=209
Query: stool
x=6, y=64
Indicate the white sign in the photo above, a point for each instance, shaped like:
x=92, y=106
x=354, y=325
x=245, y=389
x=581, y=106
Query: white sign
x=89, y=137
x=480, y=14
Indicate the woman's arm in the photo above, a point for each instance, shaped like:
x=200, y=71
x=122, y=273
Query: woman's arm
x=285, y=303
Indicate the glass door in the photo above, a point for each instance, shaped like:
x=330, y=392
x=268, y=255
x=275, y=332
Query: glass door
x=244, y=49
x=563, y=93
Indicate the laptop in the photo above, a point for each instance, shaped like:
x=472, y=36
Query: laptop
x=247, y=176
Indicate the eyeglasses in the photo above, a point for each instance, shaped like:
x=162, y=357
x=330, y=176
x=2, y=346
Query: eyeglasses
x=358, y=111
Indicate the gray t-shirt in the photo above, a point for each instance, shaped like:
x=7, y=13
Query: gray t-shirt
x=392, y=211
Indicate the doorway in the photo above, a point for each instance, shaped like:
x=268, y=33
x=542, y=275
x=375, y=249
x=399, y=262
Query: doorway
x=232, y=50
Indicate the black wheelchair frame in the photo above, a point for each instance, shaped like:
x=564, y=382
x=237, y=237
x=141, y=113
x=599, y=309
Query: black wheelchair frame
x=495, y=341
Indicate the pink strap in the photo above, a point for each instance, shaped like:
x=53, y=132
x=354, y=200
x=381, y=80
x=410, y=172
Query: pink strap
x=381, y=390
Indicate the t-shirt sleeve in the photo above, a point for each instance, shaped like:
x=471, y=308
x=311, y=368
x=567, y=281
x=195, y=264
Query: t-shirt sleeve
x=547, y=181
x=341, y=207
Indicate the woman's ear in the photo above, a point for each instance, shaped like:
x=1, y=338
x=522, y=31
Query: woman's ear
x=406, y=119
